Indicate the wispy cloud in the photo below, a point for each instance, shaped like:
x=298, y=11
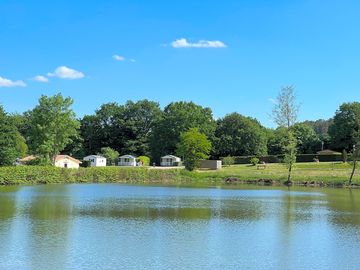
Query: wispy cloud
x=273, y=101
x=64, y=72
x=183, y=43
x=132, y=60
x=9, y=83
x=40, y=78
x=118, y=57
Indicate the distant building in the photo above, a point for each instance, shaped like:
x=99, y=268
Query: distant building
x=96, y=160
x=26, y=159
x=65, y=161
x=170, y=160
x=210, y=164
x=127, y=160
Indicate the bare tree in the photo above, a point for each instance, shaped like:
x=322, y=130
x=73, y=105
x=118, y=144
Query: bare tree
x=284, y=114
x=286, y=108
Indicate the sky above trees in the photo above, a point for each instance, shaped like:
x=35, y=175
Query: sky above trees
x=227, y=55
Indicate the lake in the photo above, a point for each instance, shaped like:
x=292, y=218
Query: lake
x=114, y=226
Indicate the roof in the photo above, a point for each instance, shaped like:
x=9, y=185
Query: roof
x=61, y=157
x=28, y=158
x=94, y=156
x=328, y=152
x=127, y=156
x=170, y=156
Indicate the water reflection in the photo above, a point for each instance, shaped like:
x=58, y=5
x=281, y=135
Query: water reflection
x=133, y=227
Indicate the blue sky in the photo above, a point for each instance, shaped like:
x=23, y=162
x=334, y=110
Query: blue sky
x=227, y=55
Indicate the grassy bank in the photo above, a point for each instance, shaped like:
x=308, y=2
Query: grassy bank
x=327, y=174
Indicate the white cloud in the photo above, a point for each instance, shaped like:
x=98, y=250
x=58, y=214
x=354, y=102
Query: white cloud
x=118, y=57
x=40, y=78
x=273, y=101
x=183, y=43
x=66, y=73
x=9, y=83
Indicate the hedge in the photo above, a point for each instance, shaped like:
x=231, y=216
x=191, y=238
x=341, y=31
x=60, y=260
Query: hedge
x=47, y=175
x=299, y=158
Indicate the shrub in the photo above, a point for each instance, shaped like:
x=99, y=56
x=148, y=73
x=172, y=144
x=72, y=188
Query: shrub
x=254, y=161
x=144, y=160
x=228, y=161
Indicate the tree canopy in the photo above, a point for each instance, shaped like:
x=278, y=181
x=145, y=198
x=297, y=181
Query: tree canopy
x=179, y=117
x=193, y=146
x=237, y=135
x=345, y=126
x=52, y=126
x=12, y=144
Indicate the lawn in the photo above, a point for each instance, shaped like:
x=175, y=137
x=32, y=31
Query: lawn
x=328, y=172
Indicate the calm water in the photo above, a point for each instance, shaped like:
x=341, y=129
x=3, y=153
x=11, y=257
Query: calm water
x=109, y=226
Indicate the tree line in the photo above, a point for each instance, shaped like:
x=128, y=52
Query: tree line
x=143, y=128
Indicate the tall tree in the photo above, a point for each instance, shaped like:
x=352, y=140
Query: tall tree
x=52, y=126
x=179, y=117
x=126, y=128
x=285, y=110
x=237, y=135
x=285, y=113
x=193, y=146
x=12, y=144
x=346, y=125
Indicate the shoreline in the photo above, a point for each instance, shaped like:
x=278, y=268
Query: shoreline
x=29, y=175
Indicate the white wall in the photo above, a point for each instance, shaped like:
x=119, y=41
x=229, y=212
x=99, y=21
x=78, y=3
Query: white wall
x=70, y=164
x=127, y=162
x=96, y=162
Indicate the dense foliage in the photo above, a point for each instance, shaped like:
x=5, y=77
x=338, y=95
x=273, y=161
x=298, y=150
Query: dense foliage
x=52, y=124
x=237, y=135
x=142, y=128
x=193, y=146
x=12, y=144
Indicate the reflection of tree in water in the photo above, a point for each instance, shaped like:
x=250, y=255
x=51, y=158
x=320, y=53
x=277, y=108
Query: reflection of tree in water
x=345, y=206
x=7, y=202
x=50, y=216
x=187, y=208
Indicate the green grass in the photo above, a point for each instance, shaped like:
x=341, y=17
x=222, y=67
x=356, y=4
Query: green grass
x=329, y=174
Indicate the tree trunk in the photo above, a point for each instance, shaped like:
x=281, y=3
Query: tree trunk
x=288, y=182
x=353, y=171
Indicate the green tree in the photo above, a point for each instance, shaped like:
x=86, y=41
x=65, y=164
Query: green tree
x=110, y=154
x=52, y=126
x=307, y=140
x=228, y=161
x=321, y=128
x=126, y=128
x=12, y=144
x=355, y=155
x=237, y=135
x=193, y=146
x=179, y=117
x=277, y=140
x=345, y=126
x=290, y=151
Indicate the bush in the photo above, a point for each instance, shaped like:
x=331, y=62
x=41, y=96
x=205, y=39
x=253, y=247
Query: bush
x=254, y=161
x=228, y=161
x=144, y=160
